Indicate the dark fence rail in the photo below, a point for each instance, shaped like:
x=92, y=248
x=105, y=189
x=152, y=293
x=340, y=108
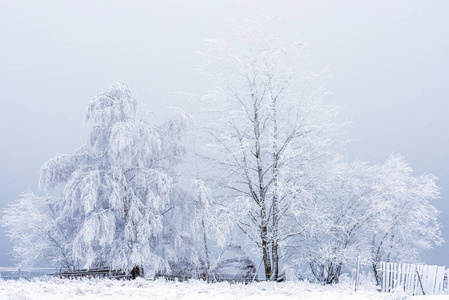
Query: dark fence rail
x=25, y=273
x=101, y=272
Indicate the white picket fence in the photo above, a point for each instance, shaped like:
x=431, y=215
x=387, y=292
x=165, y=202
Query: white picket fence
x=414, y=279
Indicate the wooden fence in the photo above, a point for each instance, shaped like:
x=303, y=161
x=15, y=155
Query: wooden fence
x=414, y=279
x=102, y=272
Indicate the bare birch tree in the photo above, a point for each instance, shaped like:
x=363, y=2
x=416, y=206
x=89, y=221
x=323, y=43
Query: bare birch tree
x=270, y=130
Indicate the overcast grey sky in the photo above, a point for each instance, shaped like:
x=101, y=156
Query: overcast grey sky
x=389, y=60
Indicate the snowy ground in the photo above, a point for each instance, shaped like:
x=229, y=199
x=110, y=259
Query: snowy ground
x=56, y=289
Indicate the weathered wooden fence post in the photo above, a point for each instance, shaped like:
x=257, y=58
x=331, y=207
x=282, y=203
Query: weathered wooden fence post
x=420, y=283
x=357, y=274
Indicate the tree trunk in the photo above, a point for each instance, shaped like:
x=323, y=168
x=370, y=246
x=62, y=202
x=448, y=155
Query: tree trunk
x=261, y=186
x=376, y=274
x=274, y=242
x=333, y=273
x=137, y=272
x=275, y=260
x=266, y=253
x=275, y=216
x=275, y=212
x=206, y=251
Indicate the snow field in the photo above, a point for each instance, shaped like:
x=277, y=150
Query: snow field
x=57, y=289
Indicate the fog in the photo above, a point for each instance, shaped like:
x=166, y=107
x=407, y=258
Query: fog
x=389, y=63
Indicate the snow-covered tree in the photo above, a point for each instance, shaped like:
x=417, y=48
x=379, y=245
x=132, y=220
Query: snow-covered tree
x=113, y=199
x=203, y=221
x=37, y=238
x=379, y=213
x=406, y=221
x=270, y=130
x=335, y=220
